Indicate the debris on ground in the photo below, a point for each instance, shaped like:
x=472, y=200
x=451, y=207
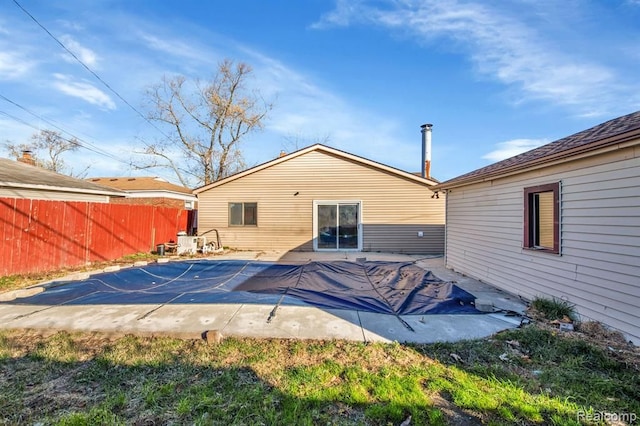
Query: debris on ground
x=595, y=333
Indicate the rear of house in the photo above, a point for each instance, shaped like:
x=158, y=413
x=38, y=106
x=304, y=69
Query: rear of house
x=23, y=179
x=320, y=198
x=561, y=221
x=50, y=221
x=149, y=190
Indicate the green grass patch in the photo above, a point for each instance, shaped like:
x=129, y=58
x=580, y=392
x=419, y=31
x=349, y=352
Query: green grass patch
x=13, y=282
x=135, y=257
x=545, y=363
x=78, y=379
x=95, y=416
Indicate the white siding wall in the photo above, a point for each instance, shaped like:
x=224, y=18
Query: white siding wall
x=394, y=209
x=599, y=266
x=52, y=195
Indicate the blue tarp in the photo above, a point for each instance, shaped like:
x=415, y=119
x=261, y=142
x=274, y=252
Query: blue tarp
x=382, y=287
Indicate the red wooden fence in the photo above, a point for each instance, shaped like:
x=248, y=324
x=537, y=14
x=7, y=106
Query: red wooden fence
x=43, y=235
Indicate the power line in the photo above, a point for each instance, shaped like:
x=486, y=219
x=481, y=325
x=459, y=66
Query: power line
x=90, y=70
x=19, y=120
x=76, y=141
x=94, y=149
x=80, y=141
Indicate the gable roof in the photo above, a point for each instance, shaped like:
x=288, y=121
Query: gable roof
x=320, y=148
x=609, y=133
x=14, y=174
x=137, y=184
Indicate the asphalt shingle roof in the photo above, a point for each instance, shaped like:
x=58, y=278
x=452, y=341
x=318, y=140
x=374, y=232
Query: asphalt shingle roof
x=140, y=184
x=607, y=133
x=14, y=173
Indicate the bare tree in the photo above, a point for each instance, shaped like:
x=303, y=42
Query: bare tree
x=48, y=148
x=205, y=123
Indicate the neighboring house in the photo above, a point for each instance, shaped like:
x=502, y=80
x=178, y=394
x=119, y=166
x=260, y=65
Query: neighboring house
x=562, y=221
x=324, y=199
x=21, y=179
x=150, y=190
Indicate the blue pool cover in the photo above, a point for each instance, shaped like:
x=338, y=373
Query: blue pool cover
x=397, y=288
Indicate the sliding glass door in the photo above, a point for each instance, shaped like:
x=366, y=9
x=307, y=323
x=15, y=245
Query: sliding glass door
x=337, y=225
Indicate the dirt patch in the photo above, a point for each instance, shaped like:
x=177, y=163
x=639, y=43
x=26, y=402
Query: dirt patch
x=455, y=416
x=595, y=333
x=611, y=341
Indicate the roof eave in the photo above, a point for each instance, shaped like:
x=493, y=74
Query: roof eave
x=317, y=147
x=139, y=191
x=61, y=189
x=604, y=145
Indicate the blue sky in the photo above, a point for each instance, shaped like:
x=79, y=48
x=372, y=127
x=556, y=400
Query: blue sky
x=494, y=77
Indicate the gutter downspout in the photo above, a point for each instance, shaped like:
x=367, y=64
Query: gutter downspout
x=446, y=221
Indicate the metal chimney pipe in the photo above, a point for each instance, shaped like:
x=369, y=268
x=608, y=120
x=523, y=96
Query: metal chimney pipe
x=426, y=150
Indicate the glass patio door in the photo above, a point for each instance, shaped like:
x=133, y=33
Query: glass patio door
x=337, y=226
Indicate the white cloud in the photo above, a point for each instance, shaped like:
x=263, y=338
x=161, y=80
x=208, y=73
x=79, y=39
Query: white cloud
x=513, y=147
x=85, y=54
x=341, y=16
x=83, y=90
x=500, y=45
x=71, y=25
x=13, y=65
x=304, y=107
x=304, y=111
x=173, y=47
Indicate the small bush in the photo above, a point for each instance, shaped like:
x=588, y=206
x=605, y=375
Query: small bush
x=554, y=309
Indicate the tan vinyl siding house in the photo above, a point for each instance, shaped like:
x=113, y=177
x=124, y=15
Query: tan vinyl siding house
x=491, y=223
x=320, y=198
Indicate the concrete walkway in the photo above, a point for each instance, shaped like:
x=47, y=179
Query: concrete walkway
x=250, y=320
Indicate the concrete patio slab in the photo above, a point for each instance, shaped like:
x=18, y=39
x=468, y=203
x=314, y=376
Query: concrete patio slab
x=81, y=317
x=294, y=322
x=430, y=328
x=9, y=313
x=186, y=319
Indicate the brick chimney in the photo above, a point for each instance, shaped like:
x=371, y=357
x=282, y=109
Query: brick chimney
x=27, y=158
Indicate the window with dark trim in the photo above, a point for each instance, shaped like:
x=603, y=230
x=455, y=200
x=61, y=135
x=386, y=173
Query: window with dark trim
x=243, y=214
x=542, y=218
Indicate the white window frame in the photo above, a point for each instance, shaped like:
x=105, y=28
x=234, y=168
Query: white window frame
x=316, y=203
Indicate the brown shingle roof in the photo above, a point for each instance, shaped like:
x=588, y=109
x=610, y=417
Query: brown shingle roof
x=608, y=133
x=140, y=184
